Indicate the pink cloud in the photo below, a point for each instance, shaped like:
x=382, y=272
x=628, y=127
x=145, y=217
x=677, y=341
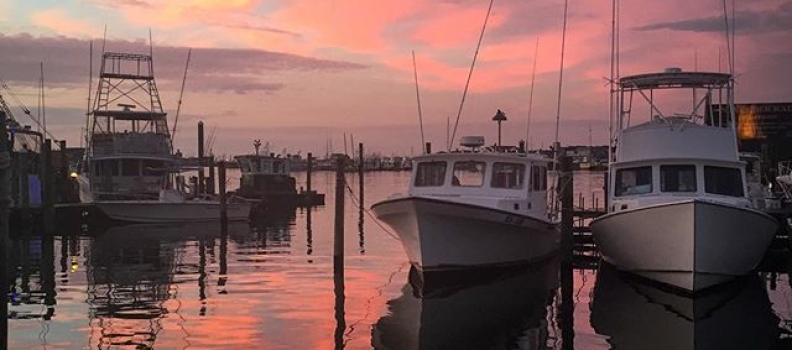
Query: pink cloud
x=61, y=23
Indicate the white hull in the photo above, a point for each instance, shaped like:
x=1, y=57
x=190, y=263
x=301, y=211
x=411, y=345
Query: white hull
x=162, y=212
x=691, y=245
x=443, y=235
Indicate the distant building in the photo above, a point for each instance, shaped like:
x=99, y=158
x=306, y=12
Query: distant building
x=764, y=129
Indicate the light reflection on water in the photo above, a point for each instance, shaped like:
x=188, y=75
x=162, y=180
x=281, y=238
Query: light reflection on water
x=271, y=286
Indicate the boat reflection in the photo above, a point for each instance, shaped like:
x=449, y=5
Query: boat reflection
x=506, y=310
x=637, y=315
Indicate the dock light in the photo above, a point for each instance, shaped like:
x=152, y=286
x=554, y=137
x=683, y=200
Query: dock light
x=499, y=117
x=73, y=175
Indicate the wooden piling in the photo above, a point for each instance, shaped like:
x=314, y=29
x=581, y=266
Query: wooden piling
x=338, y=245
x=308, y=174
x=210, y=181
x=565, y=187
x=361, y=169
x=5, y=162
x=48, y=190
x=63, y=174
x=566, y=306
x=338, y=254
x=201, y=158
x=221, y=184
x=605, y=186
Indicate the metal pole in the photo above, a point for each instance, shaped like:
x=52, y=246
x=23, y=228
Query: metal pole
x=5, y=161
x=200, y=158
x=63, y=177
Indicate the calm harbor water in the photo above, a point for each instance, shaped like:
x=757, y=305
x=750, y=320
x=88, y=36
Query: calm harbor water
x=271, y=286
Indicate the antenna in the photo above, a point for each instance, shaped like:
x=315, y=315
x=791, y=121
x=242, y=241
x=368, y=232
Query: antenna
x=181, y=94
x=418, y=97
x=43, y=105
x=530, y=98
x=90, y=85
x=560, y=82
x=104, y=38
x=470, y=74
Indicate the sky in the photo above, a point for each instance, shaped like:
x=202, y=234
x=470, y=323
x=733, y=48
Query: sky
x=306, y=75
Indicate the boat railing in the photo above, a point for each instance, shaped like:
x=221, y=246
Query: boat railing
x=130, y=143
x=784, y=178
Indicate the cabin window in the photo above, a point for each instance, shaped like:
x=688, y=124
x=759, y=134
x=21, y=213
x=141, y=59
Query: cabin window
x=469, y=174
x=724, y=181
x=278, y=167
x=538, y=178
x=508, y=175
x=153, y=167
x=430, y=174
x=633, y=181
x=678, y=178
x=130, y=167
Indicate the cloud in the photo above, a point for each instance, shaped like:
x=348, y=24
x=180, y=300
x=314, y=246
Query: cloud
x=58, y=21
x=233, y=70
x=746, y=22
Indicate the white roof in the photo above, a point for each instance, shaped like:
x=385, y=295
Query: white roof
x=676, y=137
x=483, y=156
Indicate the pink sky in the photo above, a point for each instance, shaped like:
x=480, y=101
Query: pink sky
x=300, y=73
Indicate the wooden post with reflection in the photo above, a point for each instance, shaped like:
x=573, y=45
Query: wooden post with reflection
x=201, y=163
x=338, y=254
x=5, y=162
x=48, y=193
x=221, y=170
x=308, y=179
x=210, y=181
x=566, y=306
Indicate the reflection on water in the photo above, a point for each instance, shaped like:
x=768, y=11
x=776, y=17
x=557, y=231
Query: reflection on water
x=504, y=312
x=270, y=285
x=636, y=315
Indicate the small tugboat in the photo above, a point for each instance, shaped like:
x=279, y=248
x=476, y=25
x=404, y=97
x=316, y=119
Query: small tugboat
x=267, y=181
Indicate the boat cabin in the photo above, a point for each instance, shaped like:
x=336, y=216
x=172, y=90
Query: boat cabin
x=265, y=176
x=510, y=182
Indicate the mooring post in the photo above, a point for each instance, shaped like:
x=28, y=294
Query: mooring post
x=605, y=186
x=5, y=162
x=210, y=181
x=361, y=168
x=308, y=179
x=201, y=158
x=63, y=177
x=338, y=254
x=47, y=207
x=221, y=184
x=566, y=306
x=338, y=246
x=565, y=188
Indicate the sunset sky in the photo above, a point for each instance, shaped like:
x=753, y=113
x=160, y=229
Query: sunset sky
x=300, y=73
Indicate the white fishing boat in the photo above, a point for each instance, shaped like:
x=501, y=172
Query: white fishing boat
x=678, y=206
x=129, y=169
x=483, y=207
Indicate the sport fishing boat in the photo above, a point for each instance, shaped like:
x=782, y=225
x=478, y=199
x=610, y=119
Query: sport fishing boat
x=129, y=167
x=481, y=207
x=678, y=206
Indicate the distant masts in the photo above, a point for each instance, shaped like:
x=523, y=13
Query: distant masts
x=560, y=82
x=530, y=98
x=418, y=98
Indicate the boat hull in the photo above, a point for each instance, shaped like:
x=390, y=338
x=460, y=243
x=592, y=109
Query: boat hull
x=160, y=212
x=690, y=245
x=440, y=235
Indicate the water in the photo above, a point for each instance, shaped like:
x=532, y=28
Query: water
x=272, y=287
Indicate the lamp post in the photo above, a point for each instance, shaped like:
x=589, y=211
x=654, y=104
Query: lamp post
x=499, y=117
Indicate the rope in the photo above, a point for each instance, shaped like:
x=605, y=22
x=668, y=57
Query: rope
x=368, y=212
